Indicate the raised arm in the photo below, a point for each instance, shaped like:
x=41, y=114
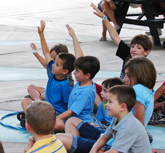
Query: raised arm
x=77, y=49
x=44, y=45
x=112, y=32
x=40, y=58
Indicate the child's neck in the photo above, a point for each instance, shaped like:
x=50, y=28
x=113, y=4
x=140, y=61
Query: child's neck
x=87, y=82
x=40, y=137
x=121, y=115
x=60, y=77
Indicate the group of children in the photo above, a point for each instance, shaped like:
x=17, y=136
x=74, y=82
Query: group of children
x=122, y=115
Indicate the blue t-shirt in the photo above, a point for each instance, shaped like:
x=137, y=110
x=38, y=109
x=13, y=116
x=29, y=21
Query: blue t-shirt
x=146, y=98
x=57, y=91
x=102, y=114
x=81, y=101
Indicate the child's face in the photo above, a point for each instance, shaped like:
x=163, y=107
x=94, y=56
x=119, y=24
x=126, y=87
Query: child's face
x=113, y=105
x=129, y=81
x=53, y=55
x=57, y=67
x=79, y=75
x=104, y=93
x=137, y=50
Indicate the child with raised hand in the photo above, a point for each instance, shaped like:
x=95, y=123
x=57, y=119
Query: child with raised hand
x=58, y=87
x=40, y=120
x=36, y=92
x=140, y=44
x=82, y=97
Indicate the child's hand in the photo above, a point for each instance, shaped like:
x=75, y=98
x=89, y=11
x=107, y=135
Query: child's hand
x=31, y=142
x=70, y=30
x=98, y=12
x=42, y=27
x=33, y=46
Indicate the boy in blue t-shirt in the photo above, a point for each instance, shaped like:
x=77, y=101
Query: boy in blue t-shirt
x=102, y=114
x=58, y=88
x=82, y=97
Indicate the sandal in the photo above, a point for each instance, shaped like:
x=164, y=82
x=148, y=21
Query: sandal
x=21, y=116
x=22, y=123
x=117, y=27
x=103, y=38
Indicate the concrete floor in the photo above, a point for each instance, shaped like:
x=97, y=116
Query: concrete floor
x=18, y=28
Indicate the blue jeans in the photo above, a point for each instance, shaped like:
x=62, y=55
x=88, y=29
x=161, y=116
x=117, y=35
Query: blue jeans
x=89, y=135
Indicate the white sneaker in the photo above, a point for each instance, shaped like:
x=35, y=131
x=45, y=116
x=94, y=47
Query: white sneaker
x=159, y=32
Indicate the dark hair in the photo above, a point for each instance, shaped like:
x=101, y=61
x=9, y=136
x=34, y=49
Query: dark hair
x=59, y=48
x=68, y=61
x=125, y=94
x=108, y=83
x=143, y=40
x=88, y=64
x=142, y=70
x=41, y=116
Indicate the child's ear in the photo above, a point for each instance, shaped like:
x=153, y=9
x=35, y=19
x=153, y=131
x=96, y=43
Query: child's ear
x=147, y=52
x=28, y=127
x=123, y=106
x=88, y=75
x=65, y=71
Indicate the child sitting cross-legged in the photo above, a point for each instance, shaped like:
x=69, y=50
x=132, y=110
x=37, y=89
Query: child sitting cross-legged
x=121, y=100
x=40, y=120
x=58, y=87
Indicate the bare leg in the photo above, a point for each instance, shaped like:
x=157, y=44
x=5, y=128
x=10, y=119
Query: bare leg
x=59, y=125
x=25, y=102
x=71, y=124
x=66, y=139
x=36, y=92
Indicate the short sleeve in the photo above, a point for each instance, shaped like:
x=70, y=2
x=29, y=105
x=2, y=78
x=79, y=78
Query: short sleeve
x=123, y=140
x=100, y=113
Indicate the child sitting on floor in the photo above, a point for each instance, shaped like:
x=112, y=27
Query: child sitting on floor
x=40, y=120
x=36, y=92
x=58, y=87
x=121, y=100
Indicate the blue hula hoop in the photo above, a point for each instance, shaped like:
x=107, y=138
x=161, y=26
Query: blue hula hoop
x=10, y=126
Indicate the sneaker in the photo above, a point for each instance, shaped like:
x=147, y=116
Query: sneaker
x=117, y=27
x=103, y=38
x=159, y=32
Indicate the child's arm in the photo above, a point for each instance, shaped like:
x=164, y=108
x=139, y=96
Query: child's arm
x=40, y=58
x=44, y=45
x=99, y=144
x=65, y=115
x=77, y=49
x=112, y=32
x=139, y=112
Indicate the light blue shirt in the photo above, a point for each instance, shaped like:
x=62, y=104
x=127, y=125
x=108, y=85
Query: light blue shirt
x=81, y=101
x=146, y=98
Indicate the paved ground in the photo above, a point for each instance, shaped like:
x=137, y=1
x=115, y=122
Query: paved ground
x=18, y=28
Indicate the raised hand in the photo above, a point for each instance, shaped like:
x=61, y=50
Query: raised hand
x=70, y=30
x=33, y=46
x=98, y=12
x=42, y=27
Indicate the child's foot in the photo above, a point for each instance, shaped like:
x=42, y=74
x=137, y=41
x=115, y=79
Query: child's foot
x=103, y=38
x=117, y=27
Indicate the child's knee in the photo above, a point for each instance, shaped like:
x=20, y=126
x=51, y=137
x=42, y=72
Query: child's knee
x=59, y=125
x=43, y=96
x=31, y=86
x=26, y=102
